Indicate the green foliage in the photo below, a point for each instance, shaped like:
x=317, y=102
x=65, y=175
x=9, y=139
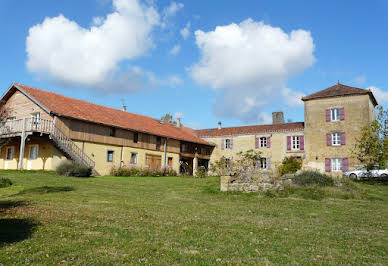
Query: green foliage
x=142, y=171
x=245, y=162
x=68, y=168
x=201, y=172
x=169, y=119
x=5, y=182
x=371, y=147
x=312, y=178
x=290, y=165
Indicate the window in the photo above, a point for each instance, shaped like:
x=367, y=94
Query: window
x=169, y=162
x=158, y=142
x=35, y=118
x=295, y=143
x=263, y=142
x=112, y=132
x=33, y=154
x=146, y=138
x=184, y=147
x=263, y=163
x=228, y=143
x=336, y=164
x=336, y=139
x=335, y=114
x=133, y=158
x=228, y=162
x=135, y=137
x=109, y=157
x=10, y=153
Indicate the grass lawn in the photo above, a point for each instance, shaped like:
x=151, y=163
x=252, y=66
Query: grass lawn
x=47, y=219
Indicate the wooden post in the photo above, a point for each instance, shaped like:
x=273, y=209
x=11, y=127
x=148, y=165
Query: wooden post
x=195, y=165
x=165, y=152
x=22, y=144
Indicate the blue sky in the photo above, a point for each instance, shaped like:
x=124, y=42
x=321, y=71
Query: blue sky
x=208, y=61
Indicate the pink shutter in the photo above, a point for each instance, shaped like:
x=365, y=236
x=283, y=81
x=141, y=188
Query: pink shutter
x=288, y=143
x=328, y=139
x=342, y=113
x=343, y=138
x=268, y=142
x=301, y=139
x=327, y=165
x=268, y=163
x=256, y=142
x=328, y=115
x=345, y=164
x=231, y=143
x=222, y=144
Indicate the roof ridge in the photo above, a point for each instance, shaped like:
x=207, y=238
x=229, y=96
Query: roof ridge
x=287, y=123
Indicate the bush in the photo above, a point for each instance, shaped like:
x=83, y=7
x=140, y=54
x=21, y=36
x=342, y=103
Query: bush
x=142, y=171
x=68, y=168
x=289, y=165
x=311, y=178
x=5, y=182
x=201, y=172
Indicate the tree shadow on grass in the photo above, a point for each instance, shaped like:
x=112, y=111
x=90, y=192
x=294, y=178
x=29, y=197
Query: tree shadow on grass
x=14, y=229
x=45, y=190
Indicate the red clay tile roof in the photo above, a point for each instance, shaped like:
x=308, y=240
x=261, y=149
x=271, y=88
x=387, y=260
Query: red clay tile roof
x=339, y=90
x=82, y=110
x=248, y=130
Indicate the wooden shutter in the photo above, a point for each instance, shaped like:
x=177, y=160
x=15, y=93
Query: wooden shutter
x=222, y=144
x=327, y=165
x=342, y=113
x=328, y=115
x=343, y=138
x=328, y=139
x=288, y=143
x=256, y=142
x=268, y=142
x=268, y=163
x=345, y=164
x=301, y=139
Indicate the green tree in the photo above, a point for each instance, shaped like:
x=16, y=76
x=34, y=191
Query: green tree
x=371, y=147
x=168, y=118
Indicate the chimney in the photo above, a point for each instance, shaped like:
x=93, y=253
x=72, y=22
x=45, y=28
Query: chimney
x=219, y=125
x=124, y=108
x=277, y=118
x=178, y=123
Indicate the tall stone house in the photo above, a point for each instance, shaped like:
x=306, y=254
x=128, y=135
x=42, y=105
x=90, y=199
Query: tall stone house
x=44, y=128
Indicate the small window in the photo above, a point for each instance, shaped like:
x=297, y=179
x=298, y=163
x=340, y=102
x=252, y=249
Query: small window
x=10, y=153
x=34, y=151
x=158, y=142
x=135, y=137
x=133, y=158
x=295, y=143
x=336, y=164
x=146, y=138
x=184, y=147
x=263, y=163
x=228, y=143
x=169, y=162
x=336, y=139
x=112, y=132
x=335, y=114
x=109, y=157
x=263, y=142
x=35, y=118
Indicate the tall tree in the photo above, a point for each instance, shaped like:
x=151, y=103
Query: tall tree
x=371, y=147
x=168, y=118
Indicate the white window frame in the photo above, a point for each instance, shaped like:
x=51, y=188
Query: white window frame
x=107, y=156
x=228, y=143
x=35, y=118
x=295, y=143
x=33, y=156
x=263, y=142
x=12, y=148
x=263, y=163
x=336, y=164
x=335, y=114
x=133, y=155
x=336, y=139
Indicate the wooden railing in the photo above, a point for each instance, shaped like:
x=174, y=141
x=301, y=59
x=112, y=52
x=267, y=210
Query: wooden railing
x=46, y=126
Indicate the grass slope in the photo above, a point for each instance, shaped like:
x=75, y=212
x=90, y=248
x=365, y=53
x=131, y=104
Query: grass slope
x=47, y=219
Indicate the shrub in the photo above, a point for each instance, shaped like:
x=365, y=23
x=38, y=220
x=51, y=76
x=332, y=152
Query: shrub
x=201, y=172
x=312, y=178
x=68, y=168
x=289, y=165
x=132, y=170
x=5, y=182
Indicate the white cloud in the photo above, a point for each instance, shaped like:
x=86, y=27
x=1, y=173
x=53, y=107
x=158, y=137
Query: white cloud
x=175, y=50
x=381, y=96
x=185, y=32
x=65, y=52
x=169, y=12
x=359, y=81
x=292, y=98
x=248, y=65
x=264, y=118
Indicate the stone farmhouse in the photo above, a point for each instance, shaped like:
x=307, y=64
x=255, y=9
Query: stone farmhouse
x=45, y=128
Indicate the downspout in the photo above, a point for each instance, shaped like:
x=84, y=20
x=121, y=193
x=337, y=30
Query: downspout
x=165, y=152
x=121, y=155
